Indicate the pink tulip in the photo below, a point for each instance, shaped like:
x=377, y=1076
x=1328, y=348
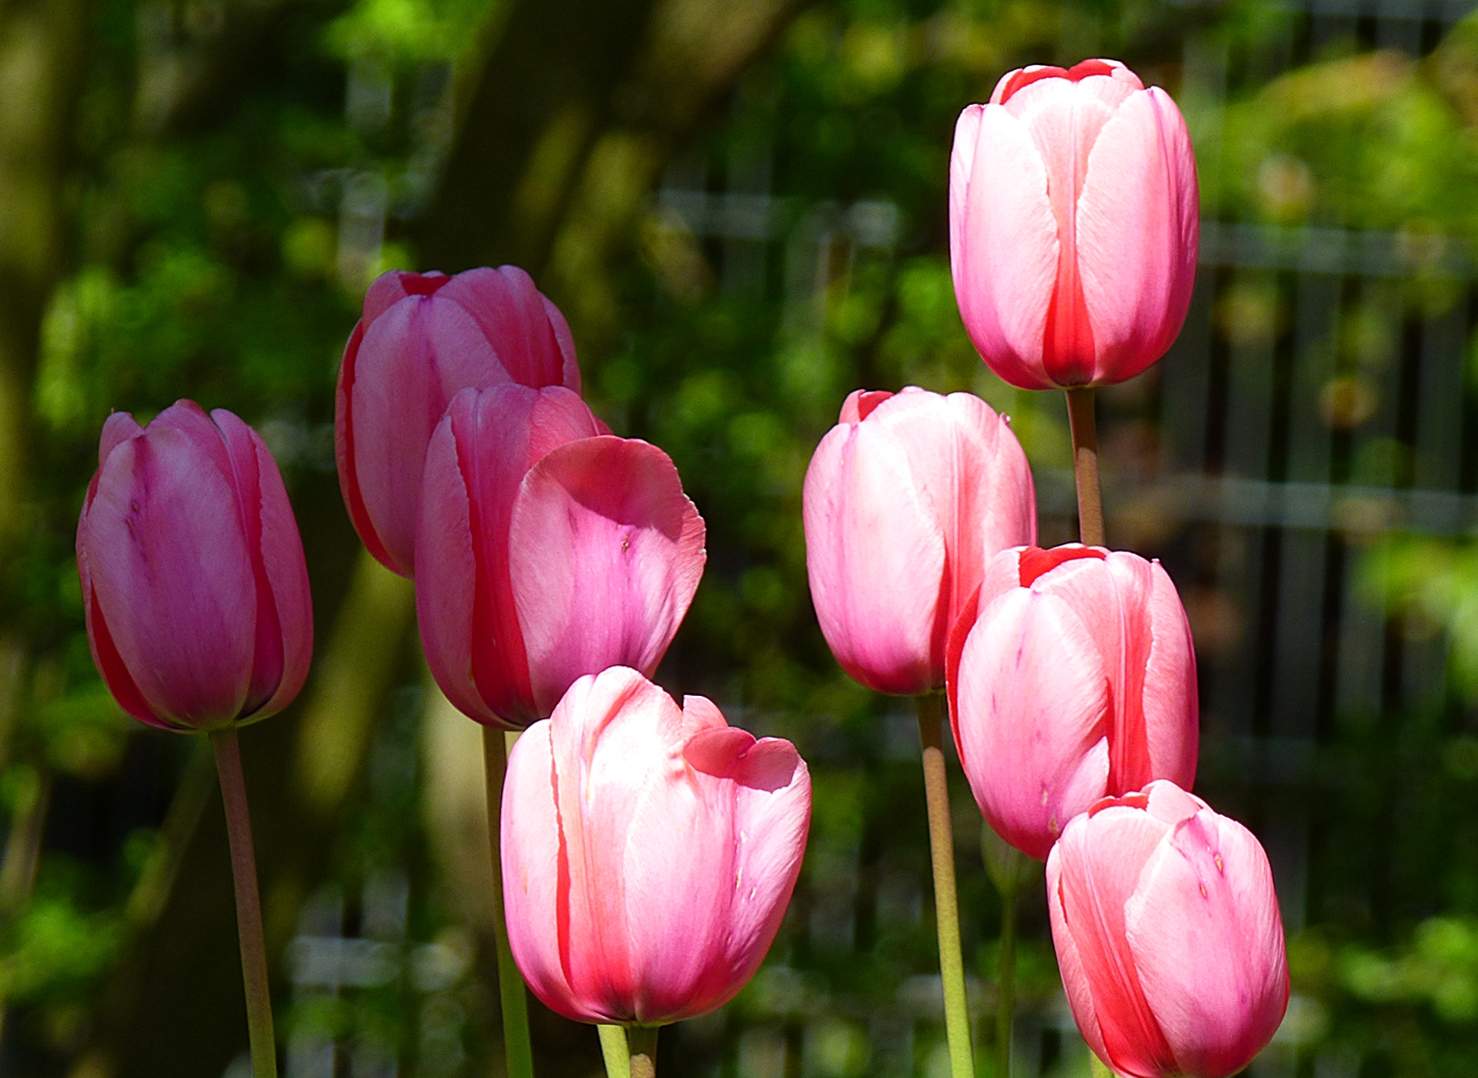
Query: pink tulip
x=648, y=852
x=1074, y=679
x=1168, y=935
x=423, y=337
x=193, y=579
x=905, y=501
x=546, y=550
x=1073, y=221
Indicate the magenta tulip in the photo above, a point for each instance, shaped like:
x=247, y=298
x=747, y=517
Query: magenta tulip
x=193, y=579
x=423, y=338
x=649, y=852
x=1073, y=225
x=546, y=550
x=1074, y=680
x=1168, y=935
x=905, y=501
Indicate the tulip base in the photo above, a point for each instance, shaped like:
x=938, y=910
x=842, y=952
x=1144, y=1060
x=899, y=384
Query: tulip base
x=1080, y=406
x=642, y=1044
x=517, y=1047
x=248, y=904
x=946, y=899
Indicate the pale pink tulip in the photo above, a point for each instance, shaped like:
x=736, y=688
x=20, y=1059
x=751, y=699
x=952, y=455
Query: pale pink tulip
x=424, y=337
x=649, y=852
x=193, y=579
x=546, y=550
x=1073, y=679
x=1073, y=221
x=1168, y=935
x=905, y=501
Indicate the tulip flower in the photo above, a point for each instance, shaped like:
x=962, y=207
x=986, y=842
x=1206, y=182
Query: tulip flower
x=193, y=579
x=198, y=614
x=649, y=852
x=1075, y=679
x=424, y=337
x=905, y=501
x=546, y=550
x=1168, y=935
x=1073, y=225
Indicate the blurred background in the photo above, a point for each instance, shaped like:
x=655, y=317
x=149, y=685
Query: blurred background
x=740, y=206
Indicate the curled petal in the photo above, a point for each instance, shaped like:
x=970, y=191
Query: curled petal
x=605, y=553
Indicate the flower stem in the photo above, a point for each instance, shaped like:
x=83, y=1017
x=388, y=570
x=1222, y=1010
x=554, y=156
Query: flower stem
x=248, y=903
x=1085, y=465
x=517, y=1048
x=946, y=900
x=642, y=1042
x=614, y=1050
x=1006, y=984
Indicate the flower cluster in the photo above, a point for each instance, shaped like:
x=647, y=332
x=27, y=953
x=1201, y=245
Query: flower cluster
x=647, y=851
x=1070, y=673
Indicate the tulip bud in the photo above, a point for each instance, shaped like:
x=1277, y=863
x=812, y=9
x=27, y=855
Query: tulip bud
x=193, y=579
x=905, y=501
x=649, y=852
x=1073, y=222
x=1168, y=935
x=1073, y=678
x=424, y=337
x=546, y=550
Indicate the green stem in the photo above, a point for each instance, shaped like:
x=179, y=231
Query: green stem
x=946, y=900
x=1085, y=465
x=1097, y=1067
x=615, y=1051
x=642, y=1043
x=248, y=903
x=517, y=1048
x=1006, y=985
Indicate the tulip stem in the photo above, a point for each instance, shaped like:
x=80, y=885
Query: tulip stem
x=614, y=1049
x=946, y=900
x=248, y=903
x=1085, y=465
x=517, y=1047
x=642, y=1042
x=1006, y=984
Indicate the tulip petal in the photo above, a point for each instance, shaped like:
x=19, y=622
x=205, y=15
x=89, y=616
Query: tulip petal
x=411, y=361
x=1005, y=268
x=1033, y=705
x=344, y=446
x=1070, y=963
x=170, y=572
x=1207, y=941
x=605, y=553
x=528, y=333
x=1171, y=701
x=1102, y=858
x=1137, y=231
x=536, y=869
x=284, y=570
x=875, y=559
x=772, y=816
x=617, y=738
x=447, y=584
x=267, y=655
